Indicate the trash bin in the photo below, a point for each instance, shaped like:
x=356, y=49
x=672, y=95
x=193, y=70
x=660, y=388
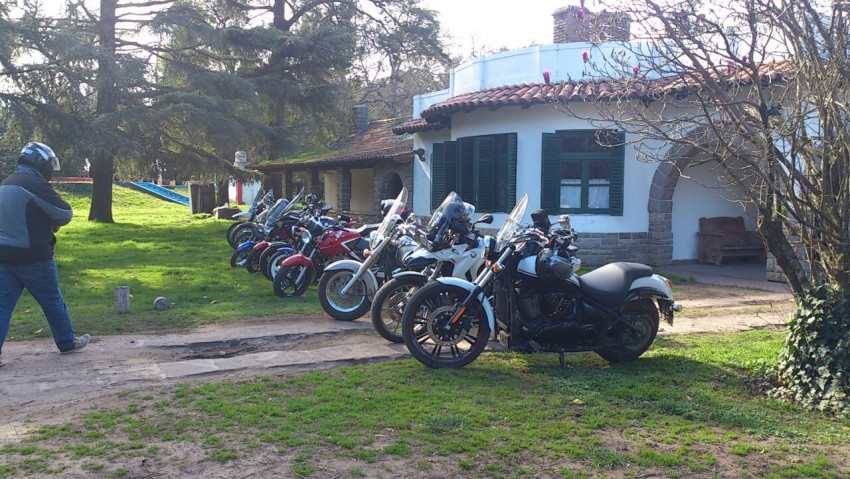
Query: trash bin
x=201, y=197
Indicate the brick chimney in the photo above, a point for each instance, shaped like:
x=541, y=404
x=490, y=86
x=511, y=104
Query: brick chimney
x=594, y=27
x=360, y=119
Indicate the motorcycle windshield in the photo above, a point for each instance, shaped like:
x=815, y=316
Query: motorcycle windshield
x=438, y=213
x=389, y=219
x=294, y=201
x=276, y=211
x=511, y=223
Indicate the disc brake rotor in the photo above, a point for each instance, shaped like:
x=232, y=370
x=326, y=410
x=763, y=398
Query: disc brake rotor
x=438, y=321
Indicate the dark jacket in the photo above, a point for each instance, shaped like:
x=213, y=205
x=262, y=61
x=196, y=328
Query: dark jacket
x=30, y=211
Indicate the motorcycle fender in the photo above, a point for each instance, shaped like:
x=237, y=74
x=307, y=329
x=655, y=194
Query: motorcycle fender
x=402, y=274
x=485, y=303
x=298, y=260
x=368, y=276
x=654, y=285
x=246, y=245
x=242, y=216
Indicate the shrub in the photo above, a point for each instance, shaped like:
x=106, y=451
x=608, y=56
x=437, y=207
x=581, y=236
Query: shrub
x=812, y=369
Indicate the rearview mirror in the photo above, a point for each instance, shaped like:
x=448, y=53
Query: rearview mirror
x=486, y=219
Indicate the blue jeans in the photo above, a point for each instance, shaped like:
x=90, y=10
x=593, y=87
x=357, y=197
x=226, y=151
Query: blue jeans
x=42, y=281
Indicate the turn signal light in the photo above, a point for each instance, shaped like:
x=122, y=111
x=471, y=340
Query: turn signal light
x=367, y=252
x=497, y=268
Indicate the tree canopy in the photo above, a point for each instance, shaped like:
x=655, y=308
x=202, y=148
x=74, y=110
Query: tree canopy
x=761, y=90
x=138, y=86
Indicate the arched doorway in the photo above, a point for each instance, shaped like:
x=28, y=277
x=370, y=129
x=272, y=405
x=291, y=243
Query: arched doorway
x=392, y=185
x=686, y=185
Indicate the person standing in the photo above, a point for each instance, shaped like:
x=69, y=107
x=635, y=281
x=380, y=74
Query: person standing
x=31, y=211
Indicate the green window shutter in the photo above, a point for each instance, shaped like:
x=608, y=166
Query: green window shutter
x=438, y=175
x=466, y=169
x=443, y=171
x=617, y=189
x=550, y=180
x=511, y=173
x=485, y=173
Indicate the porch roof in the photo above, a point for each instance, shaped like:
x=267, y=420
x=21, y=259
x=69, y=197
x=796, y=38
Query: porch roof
x=527, y=94
x=376, y=145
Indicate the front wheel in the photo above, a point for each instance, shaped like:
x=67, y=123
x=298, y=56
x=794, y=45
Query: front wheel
x=343, y=307
x=429, y=333
x=389, y=302
x=636, y=336
x=242, y=233
x=240, y=258
x=292, y=281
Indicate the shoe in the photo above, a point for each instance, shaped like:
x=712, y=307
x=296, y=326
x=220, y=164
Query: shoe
x=79, y=343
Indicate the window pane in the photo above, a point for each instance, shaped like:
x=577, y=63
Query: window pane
x=600, y=170
x=570, y=170
x=570, y=193
x=598, y=194
x=573, y=144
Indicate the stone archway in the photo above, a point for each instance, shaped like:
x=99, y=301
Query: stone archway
x=392, y=185
x=660, y=204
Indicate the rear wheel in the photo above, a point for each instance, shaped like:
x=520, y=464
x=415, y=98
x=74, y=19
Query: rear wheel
x=389, y=302
x=343, y=307
x=292, y=281
x=432, y=337
x=642, y=318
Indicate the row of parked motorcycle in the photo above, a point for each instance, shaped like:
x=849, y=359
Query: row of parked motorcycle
x=444, y=288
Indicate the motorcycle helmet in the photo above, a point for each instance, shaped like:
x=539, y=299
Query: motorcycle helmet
x=39, y=156
x=541, y=220
x=551, y=267
x=455, y=216
x=386, y=205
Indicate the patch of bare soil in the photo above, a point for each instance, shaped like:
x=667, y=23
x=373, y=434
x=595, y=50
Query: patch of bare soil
x=40, y=387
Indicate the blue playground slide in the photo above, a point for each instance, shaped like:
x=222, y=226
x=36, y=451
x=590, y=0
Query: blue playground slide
x=161, y=192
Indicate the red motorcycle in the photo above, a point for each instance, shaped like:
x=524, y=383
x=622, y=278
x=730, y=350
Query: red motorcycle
x=322, y=245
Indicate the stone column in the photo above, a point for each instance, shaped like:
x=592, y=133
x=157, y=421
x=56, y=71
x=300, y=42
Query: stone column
x=314, y=185
x=343, y=189
x=287, y=185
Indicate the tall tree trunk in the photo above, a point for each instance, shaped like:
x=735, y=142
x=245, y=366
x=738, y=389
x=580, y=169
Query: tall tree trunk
x=777, y=243
x=107, y=103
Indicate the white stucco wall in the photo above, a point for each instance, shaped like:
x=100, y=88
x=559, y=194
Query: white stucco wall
x=329, y=179
x=363, y=190
x=249, y=191
x=700, y=193
x=529, y=124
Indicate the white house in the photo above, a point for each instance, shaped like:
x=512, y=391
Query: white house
x=496, y=133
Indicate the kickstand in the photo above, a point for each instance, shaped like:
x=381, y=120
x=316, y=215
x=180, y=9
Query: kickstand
x=561, y=359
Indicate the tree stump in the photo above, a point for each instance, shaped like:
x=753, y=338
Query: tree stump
x=122, y=299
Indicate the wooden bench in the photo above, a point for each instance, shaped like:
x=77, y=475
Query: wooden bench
x=724, y=237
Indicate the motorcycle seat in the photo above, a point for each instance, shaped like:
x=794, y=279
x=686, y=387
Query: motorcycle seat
x=610, y=284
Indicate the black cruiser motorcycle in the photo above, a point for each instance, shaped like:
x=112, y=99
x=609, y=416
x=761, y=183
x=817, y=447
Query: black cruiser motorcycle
x=530, y=298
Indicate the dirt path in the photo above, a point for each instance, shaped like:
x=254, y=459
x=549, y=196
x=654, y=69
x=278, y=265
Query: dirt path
x=35, y=379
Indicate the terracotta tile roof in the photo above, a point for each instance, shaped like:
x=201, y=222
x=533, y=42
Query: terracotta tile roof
x=528, y=94
x=377, y=144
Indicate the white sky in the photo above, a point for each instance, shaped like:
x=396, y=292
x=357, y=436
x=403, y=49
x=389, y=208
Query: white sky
x=492, y=24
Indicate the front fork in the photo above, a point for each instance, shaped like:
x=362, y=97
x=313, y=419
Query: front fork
x=367, y=263
x=483, y=279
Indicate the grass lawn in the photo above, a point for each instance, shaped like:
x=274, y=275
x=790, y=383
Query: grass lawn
x=684, y=410
x=157, y=249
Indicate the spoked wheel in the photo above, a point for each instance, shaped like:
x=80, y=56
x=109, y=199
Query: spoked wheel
x=638, y=335
x=343, y=307
x=240, y=258
x=388, y=305
x=292, y=281
x=429, y=333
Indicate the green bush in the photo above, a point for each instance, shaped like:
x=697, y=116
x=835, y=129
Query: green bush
x=812, y=368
